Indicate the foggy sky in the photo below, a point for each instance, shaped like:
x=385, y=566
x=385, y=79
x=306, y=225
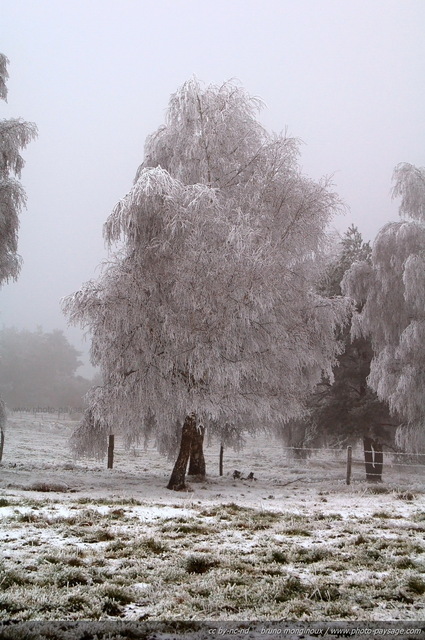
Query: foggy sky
x=345, y=76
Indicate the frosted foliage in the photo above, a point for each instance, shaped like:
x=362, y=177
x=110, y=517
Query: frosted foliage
x=208, y=307
x=357, y=283
x=414, y=281
x=216, y=130
x=15, y=134
x=410, y=186
x=407, y=394
x=90, y=438
x=411, y=437
x=392, y=299
x=3, y=76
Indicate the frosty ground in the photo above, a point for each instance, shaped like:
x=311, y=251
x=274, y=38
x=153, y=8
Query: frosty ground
x=83, y=542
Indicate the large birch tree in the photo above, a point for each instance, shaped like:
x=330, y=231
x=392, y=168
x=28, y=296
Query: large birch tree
x=391, y=291
x=207, y=314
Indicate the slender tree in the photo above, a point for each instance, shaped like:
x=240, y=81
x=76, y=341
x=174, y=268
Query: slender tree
x=15, y=134
x=391, y=292
x=207, y=314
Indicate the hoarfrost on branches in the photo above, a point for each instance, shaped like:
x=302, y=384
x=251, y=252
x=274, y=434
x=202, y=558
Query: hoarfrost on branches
x=409, y=184
x=4, y=74
x=15, y=134
x=90, y=437
x=392, y=292
x=208, y=307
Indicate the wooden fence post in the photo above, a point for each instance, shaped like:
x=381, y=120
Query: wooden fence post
x=349, y=461
x=1, y=443
x=220, y=464
x=111, y=452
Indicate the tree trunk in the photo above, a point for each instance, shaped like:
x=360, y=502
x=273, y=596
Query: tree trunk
x=349, y=463
x=374, y=459
x=379, y=460
x=197, y=460
x=1, y=443
x=178, y=476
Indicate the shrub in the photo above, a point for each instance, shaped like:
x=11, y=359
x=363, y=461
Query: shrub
x=99, y=535
x=154, y=546
x=199, y=563
x=310, y=555
x=408, y=496
x=416, y=584
x=404, y=563
x=279, y=556
x=378, y=490
x=292, y=588
x=325, y=592
x=70, y=577
x=10, y=578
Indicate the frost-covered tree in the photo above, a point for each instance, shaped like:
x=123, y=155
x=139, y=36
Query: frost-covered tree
x=391, y=292
x=15, y=134
x=207, y=314
x=350, y=248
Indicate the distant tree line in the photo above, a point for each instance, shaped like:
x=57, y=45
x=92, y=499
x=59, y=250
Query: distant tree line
x=38, y=369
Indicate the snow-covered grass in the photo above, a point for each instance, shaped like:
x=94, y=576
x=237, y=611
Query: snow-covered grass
x=83, y=542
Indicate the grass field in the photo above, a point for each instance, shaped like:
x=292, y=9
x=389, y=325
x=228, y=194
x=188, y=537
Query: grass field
x=80, y=542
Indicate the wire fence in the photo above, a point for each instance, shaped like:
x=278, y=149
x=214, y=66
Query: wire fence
x=393, y=457
x=50, y=410
x=359, y=464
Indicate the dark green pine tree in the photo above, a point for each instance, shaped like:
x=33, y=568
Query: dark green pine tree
x=346, y=410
